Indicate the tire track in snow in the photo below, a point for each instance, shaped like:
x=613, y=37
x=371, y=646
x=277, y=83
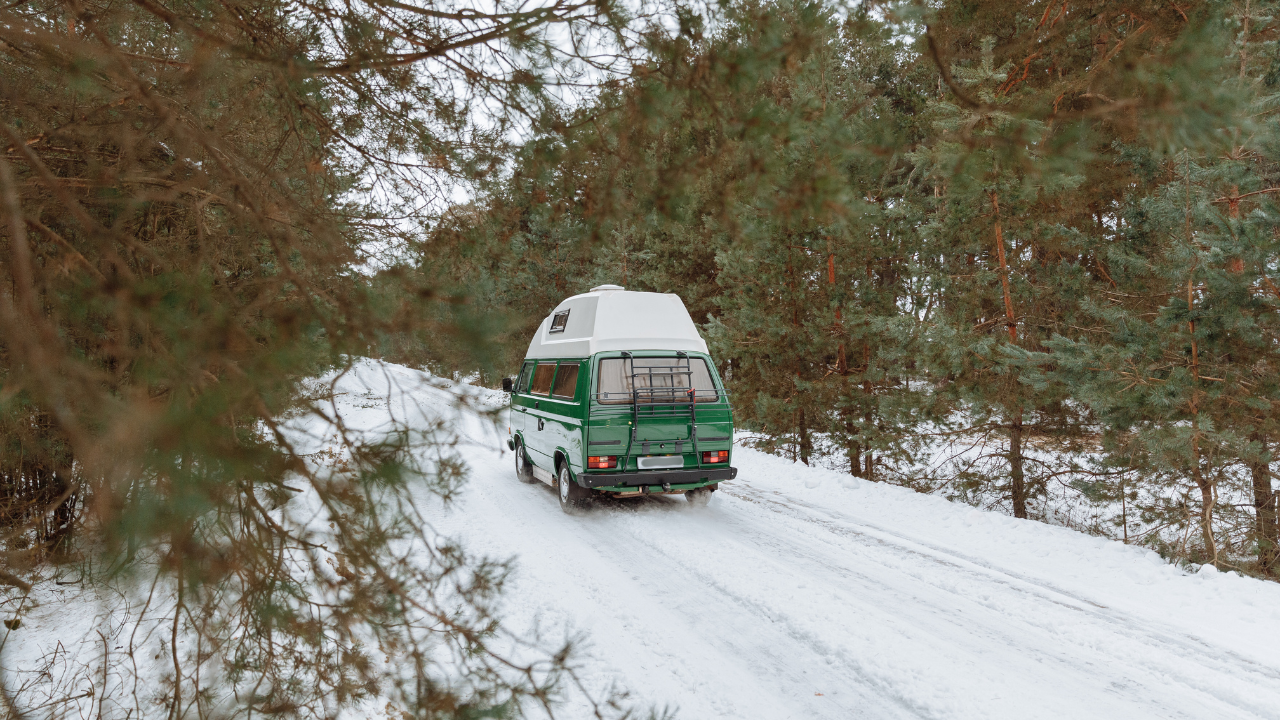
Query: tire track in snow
x=916, y=679
x=755, y=629
x=709, y=608
x=842, y=524
x=1238, y=669
x=694, y=628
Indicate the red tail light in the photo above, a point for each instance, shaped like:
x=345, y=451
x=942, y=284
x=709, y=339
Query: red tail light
x=715, y=456
x=602, y=462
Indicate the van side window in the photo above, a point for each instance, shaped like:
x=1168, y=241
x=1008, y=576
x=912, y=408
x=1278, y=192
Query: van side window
x=566, y=381
x=542, y=378
x=522, y=385
x=559, y=321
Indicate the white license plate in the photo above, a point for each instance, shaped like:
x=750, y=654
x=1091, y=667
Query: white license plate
x=664, y=461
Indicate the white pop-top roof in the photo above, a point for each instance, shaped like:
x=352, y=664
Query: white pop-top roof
x=610, y=318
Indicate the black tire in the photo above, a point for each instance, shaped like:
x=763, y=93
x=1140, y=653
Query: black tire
x=524, y=471
x=573, y=497
x=698, y=497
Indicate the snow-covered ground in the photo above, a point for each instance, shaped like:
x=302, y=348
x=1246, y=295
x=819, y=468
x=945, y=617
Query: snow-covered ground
x=804, y=593
x=843, y=600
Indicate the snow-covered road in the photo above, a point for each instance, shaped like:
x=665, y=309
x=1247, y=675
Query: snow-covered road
x=766, y=606
x=802, y=593
x=799, y=593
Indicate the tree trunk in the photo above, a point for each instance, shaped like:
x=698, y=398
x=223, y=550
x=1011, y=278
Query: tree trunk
x=1264, y=504
x=842, y=362
x=855, y=448
x=1206, y=516
x=1015, y=466
x=805, y=445
x=1124, y=510
x=1206, y=495
x=1010, y=317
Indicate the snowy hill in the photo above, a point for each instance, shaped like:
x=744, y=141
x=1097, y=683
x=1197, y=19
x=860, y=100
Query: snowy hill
x=804, y=593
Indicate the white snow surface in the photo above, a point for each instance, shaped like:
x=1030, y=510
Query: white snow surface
x=804, y=593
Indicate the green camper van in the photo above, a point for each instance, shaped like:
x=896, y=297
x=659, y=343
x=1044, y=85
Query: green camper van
x=618, y=396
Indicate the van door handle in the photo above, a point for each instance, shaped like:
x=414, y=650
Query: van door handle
x=535, y=404
x=539, y=423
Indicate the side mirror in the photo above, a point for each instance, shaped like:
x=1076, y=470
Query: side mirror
x=507, y=384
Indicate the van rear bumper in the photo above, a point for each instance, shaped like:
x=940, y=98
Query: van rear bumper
x=657, y=477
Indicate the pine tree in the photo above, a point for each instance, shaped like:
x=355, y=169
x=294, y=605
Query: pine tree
x=997, y=289
x=1183, y=329
x=193, y=196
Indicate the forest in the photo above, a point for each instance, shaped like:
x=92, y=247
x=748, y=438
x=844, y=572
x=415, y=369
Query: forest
x=1036, y=238
x=1024, y=256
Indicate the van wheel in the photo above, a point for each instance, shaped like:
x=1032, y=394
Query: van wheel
x=698, y=497
x=573, y=497
x=524, y=471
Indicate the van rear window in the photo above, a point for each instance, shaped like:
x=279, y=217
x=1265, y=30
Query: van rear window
x=658, y=380
x=566, y=381
x=542, y=378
